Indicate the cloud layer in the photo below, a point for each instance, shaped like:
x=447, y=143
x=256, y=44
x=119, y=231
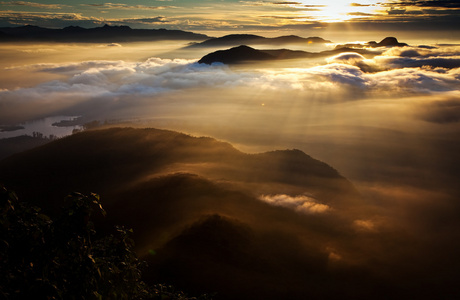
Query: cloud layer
x=349, y=76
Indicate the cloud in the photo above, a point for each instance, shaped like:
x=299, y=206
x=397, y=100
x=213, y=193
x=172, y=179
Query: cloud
x=286, y=3
x=34, y=4
x=347, y=58
x=360, y=5
x=430, y=3
x=412, y=61
x=300, y=203
x=424, y=51
x=126, y=6
x=50, y=20
x=416, y=80
x=354, y=59
x=364, y=225
x=290, y=5
x=418, y=70
x=341, y=73
x=60, y=20
x=153, y=20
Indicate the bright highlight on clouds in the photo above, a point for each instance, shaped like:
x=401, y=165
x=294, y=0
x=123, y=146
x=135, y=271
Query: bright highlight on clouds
x=300, y=203
x=364, y=225
x=348, y=76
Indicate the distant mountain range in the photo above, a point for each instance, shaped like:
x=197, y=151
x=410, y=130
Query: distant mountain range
x=114, y=34
x=245, y=53
x=104, y=34
x=250, y=39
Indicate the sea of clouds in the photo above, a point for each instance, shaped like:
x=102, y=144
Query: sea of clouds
x=390, y=124
x=106, y=85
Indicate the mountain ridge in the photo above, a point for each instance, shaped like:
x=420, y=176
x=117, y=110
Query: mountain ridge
x=103, y=34
x=251, y=39
x=245, y=53
x=161, y=150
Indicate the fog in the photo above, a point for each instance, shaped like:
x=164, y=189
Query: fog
x=390, y=124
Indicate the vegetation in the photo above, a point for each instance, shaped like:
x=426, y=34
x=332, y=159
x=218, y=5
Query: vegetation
x=64, y=258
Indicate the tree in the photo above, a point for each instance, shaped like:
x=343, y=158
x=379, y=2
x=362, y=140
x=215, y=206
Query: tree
x=61, y=258
x=41, y=258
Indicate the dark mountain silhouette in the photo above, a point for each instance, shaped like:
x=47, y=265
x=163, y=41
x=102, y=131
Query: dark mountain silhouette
x=104, y=34
x=5, y=37
x=194, y=202
x=386, y=42
x=244, y=53
x=235, y=55
x=239, y=252
x=101, y=160
x=198, y=219
x=250, y=39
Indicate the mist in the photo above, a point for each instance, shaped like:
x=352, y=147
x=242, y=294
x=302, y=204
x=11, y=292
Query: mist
x=389, y=124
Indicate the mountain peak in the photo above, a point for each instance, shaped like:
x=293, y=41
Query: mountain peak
x=391, y=41
x=235, y=55
x=386, y=42
x=106, y=26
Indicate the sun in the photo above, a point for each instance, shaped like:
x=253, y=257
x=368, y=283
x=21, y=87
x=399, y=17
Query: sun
x=331, y=11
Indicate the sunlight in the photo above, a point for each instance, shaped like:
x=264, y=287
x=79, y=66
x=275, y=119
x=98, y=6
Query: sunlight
x=332, y=11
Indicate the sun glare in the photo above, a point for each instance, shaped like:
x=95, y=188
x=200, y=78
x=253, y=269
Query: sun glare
x=331, y=11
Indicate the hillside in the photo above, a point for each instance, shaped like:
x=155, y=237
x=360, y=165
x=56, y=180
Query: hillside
x=196, y=203
x=131, y=155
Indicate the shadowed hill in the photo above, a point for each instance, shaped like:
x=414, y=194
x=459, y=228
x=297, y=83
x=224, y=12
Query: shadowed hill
x=245, y=53
x=238, y=252
x=104, y=159
x=250, y=39
x=195, y=207
x=209, y=218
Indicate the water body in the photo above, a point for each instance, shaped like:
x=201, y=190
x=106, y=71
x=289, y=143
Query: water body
x=44, y=126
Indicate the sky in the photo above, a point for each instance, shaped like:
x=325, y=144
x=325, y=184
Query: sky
x=226, y=16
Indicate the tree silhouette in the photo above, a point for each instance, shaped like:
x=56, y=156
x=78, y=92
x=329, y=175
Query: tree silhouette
x=64, y=258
